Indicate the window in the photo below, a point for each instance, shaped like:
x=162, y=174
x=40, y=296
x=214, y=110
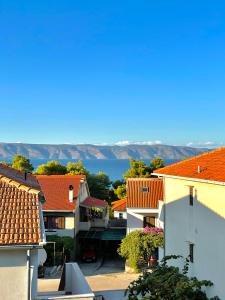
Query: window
x=191, y=252
x=53, y=222
x=120, y=215
x=191, y=195
x=145, y=189
x=149, y=221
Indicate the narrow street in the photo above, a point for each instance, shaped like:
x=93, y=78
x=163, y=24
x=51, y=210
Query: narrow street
x=108, y=279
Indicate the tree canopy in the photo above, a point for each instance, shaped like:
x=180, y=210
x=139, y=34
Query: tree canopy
x=51, y=168
x=76, y=168
x=137, y=169
x=121, y=191
x=99, y=185
x=156, y=163
x=22, y=163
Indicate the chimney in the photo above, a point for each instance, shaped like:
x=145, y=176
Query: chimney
x=199, y=169
x=71, y=194
x=25, y=175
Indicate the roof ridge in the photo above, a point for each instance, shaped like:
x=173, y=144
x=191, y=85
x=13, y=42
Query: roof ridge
x=19, y=185
x=143, y=178
x=191, y=158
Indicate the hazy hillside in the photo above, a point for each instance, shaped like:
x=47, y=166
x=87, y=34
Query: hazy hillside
x=41, y=151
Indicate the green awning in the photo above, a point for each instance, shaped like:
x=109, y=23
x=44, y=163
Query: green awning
x=106, y=235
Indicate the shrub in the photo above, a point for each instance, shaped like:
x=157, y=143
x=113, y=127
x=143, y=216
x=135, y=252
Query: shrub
x=168, y=283
x=140, y=244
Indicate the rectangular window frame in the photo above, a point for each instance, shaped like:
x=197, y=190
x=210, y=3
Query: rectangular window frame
x=191, y=195
x=148, y=221
x=145, y=189
x=54, y=222
x=191, y=252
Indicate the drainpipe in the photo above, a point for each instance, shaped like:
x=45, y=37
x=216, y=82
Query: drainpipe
x=29, y=276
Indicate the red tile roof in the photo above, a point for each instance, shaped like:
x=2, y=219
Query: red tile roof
x=20, y=222
x=136, y=198
x=56, y=191
x=23, y=178
x=94, y=202
x=209, y=166
x=120, y=205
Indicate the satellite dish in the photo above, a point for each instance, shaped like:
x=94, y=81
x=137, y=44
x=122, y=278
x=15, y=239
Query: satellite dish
x=42, y=256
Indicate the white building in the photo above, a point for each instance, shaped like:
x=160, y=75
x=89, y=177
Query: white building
x=194, y=215
x=144, y=203
x=119, y=209
x=21, y=234
x=63, y=193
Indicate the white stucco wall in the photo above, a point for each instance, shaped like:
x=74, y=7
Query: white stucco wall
x=202, y=224
x=135, y=217
x=13, y=274
x=117, y=214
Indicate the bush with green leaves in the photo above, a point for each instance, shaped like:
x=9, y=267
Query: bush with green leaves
x=167, y=282
x=140, y=244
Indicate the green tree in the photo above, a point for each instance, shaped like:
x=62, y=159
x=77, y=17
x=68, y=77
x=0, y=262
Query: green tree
x=166, y=282
x=137, y=169
x=99, y=185
x=76, y=168
x=51, y=168
x=156, y=163
x=121, y=191
x=22, y=163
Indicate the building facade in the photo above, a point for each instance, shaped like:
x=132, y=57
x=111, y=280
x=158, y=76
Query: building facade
x=194, y=216
x=21, y=234
x=144, y=203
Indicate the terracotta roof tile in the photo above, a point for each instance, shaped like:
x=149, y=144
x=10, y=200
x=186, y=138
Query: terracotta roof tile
x=94, y=202
x=23, y=178
x=120, y=205
x=19, y=216
x=56, y=190
x=137, y=198
x=208, y=166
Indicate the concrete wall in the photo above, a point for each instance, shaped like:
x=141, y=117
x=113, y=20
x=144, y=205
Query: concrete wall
x=202, y=224
x=117, y=214
x=13, y=274
x=76, y=282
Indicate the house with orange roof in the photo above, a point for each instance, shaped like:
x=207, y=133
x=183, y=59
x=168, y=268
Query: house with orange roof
x=21, y=233
x=194, y=215
x=119, y=209
x=144, y=203
x=63, y=193
x=69, y=208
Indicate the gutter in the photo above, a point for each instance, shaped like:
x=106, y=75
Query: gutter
x=191, y=179
x=14, y=247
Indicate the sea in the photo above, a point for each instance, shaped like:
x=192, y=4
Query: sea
x=114, y=168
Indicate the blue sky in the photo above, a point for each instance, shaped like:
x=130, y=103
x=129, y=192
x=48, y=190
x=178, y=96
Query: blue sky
x=108, y=71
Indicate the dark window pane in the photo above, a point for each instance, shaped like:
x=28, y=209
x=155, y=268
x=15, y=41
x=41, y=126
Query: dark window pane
x=191, y=252
x=149, y=221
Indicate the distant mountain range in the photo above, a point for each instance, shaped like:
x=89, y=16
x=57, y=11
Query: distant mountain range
x=86, y=151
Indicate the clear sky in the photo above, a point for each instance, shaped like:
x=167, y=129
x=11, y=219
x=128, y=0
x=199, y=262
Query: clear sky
x=102, y=71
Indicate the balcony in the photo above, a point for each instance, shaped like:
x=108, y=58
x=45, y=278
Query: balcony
x=75, y=287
